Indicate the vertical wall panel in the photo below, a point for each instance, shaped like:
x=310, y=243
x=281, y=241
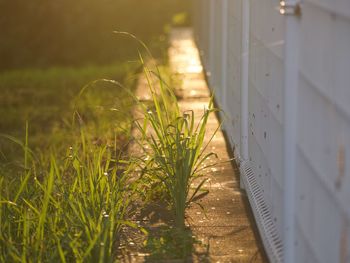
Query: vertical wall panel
x=232, y=100
x=216, y=77
x=265, y=103
x=324, y=133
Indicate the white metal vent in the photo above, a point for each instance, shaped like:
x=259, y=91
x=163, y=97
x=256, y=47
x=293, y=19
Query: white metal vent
x=268, y=232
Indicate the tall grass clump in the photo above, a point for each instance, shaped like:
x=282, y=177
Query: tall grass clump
x=174, y=144
x=66, y=209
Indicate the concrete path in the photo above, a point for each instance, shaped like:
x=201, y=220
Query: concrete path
x=226, y=225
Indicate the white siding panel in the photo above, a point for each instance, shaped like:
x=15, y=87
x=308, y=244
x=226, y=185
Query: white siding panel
x=234, y=72
x=340, y=7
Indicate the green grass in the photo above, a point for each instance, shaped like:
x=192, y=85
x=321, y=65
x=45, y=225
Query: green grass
x=70, y=194
x=65, y=186
x=68, y=209
x=47, y=99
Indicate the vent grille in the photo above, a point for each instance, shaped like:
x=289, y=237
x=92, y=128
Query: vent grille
x=270, y=237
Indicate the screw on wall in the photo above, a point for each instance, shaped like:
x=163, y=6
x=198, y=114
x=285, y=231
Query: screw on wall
x=290, y=9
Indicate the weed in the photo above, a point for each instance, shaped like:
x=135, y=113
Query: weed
x=176, y=146
x=170, y=243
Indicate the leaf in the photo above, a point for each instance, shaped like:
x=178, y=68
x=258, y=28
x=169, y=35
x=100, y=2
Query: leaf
x=196, y=190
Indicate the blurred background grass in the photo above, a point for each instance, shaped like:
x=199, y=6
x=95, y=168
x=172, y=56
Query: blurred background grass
x=65, y=32
x=48, y=99
x=50, y=49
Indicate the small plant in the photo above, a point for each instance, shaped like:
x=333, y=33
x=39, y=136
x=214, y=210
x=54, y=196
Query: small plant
x=177, y=149
x=170, y=243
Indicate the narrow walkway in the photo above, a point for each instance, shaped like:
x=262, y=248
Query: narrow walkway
x=226, y=225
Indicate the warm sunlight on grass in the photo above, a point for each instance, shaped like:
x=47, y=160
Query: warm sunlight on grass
x=69, y=186
x=47, y=99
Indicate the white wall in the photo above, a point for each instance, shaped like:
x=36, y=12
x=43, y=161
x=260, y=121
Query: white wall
x=322, y=177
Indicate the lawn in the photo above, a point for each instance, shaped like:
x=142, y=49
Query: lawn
x=69, y=187
x=49, y=99
x=70, y=193
x=62, y=132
